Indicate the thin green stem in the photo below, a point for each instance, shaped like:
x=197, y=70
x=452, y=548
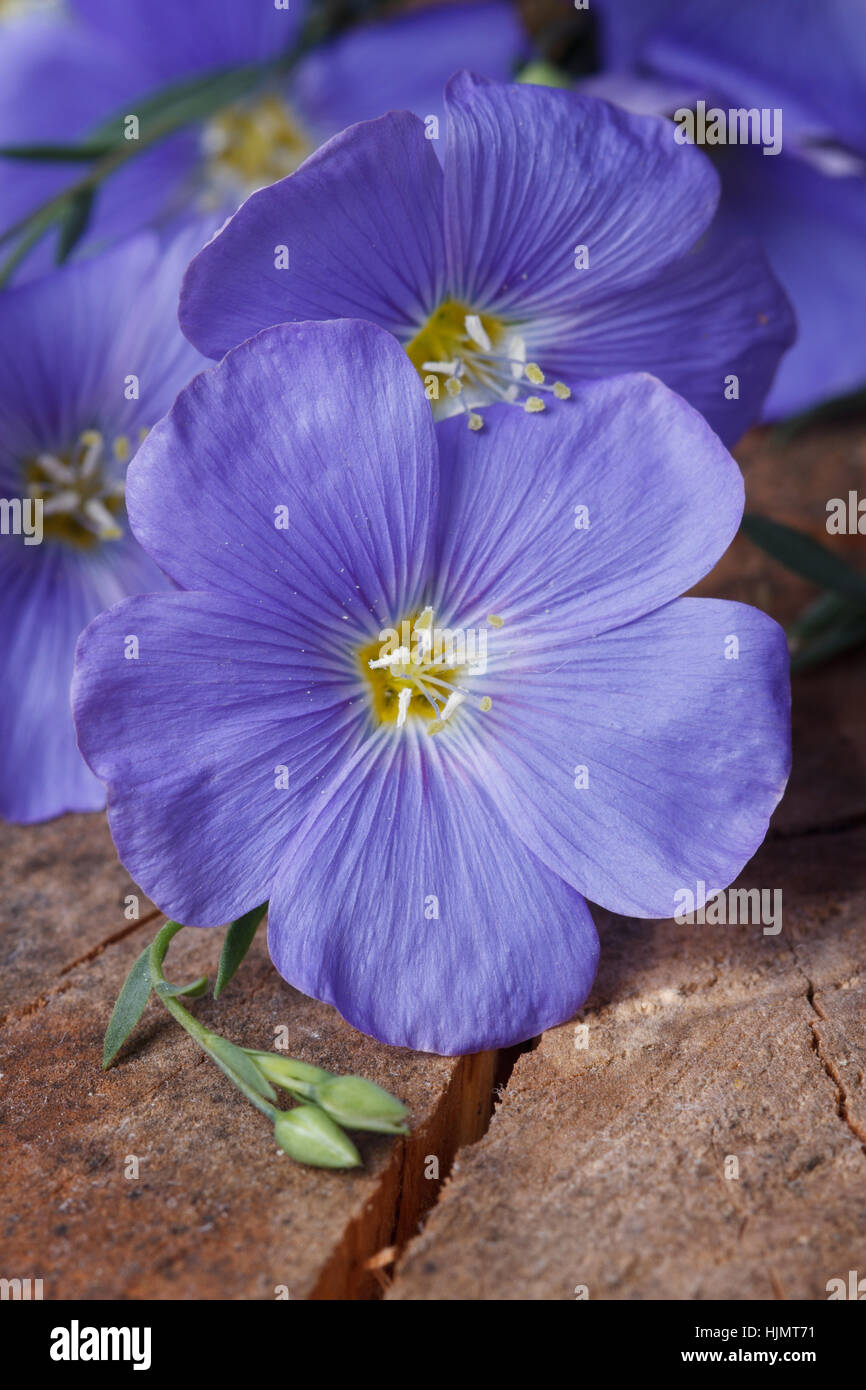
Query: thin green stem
x=203, y=1036
x=175, y=107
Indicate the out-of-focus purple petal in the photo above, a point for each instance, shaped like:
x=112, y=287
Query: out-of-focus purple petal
x=406, y=902
x=813, y=228
x=179, y=38
x=47, y=595
x=70, y=342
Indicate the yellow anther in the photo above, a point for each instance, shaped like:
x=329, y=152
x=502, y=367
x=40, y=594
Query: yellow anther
x=561, y=391
x=435, y=726
x=534, y=373
x=494, y=620
x=453, y=386
x=121, y=448
x=533, y=405
x=143, y=432
x=90, y=439
x=485, y=704
x=475, y=421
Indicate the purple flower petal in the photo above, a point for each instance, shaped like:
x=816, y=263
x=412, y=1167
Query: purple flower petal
x=662, y=497
x=179, y=38
x=196, y=736
x=69, y=346
x=404, y=62
x=406, y=902
x=47, y=596
x=814, y=230
x=532, y=172
x=682, y=739
x=722, y=300
x=361, y=221
x=325, y=420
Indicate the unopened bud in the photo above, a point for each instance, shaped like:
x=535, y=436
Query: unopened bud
x=361, y=1104
x=308, y=1135
x=297, y=1077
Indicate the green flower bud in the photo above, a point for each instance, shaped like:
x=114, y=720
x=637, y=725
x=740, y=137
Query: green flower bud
x=289, y=1073
x=361, y=1104
x=309, y=1136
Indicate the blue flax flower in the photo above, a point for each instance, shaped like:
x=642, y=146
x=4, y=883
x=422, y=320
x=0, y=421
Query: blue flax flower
x=428, y=690
x=557, y=244
x=60, y=80
x=806, y=203
x=90, y=357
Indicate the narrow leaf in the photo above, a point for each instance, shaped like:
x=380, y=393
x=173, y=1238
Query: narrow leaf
x=238, y=1066
x=193, y=990
x=830, y=643
x=129, y=1007
x=806, y=557
x=57, y=154
x=238, y=940
x=75, y=223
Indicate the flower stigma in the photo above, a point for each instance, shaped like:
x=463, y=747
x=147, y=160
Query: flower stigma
x=477, y=360
x=416, y=671
x=81, y=489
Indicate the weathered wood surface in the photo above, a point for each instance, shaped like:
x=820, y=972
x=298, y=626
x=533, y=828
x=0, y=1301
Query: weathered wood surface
x=217, y=1211
x=602, y=1166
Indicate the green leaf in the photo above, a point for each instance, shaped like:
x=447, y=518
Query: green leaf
x=807, y=557
x=238, y=940
x=238, y=1066
x=830, y=643
x=193, y=990
x=75, y=223
x=129, y=1007
x=57, y=154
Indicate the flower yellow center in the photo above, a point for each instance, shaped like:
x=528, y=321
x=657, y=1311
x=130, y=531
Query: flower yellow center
x=467, y=359
x=253, y=144
x=81, y=490
x=415, y=671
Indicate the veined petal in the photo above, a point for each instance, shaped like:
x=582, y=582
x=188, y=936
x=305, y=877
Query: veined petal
x=214, y=737
x=533, y=173
x=650, y=759
x=299, y=473
x=722, y=300
x=406, y=903
x=361, y=225
x=583, y=518
x=404, y=62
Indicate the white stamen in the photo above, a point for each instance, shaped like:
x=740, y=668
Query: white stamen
x=60, y=503
x=454, y=699
x=449, y=368
x=101, y=517
x=403, y=699
x=401, y=657
x=476, y=331
x=93, y=442
x=56, y=470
